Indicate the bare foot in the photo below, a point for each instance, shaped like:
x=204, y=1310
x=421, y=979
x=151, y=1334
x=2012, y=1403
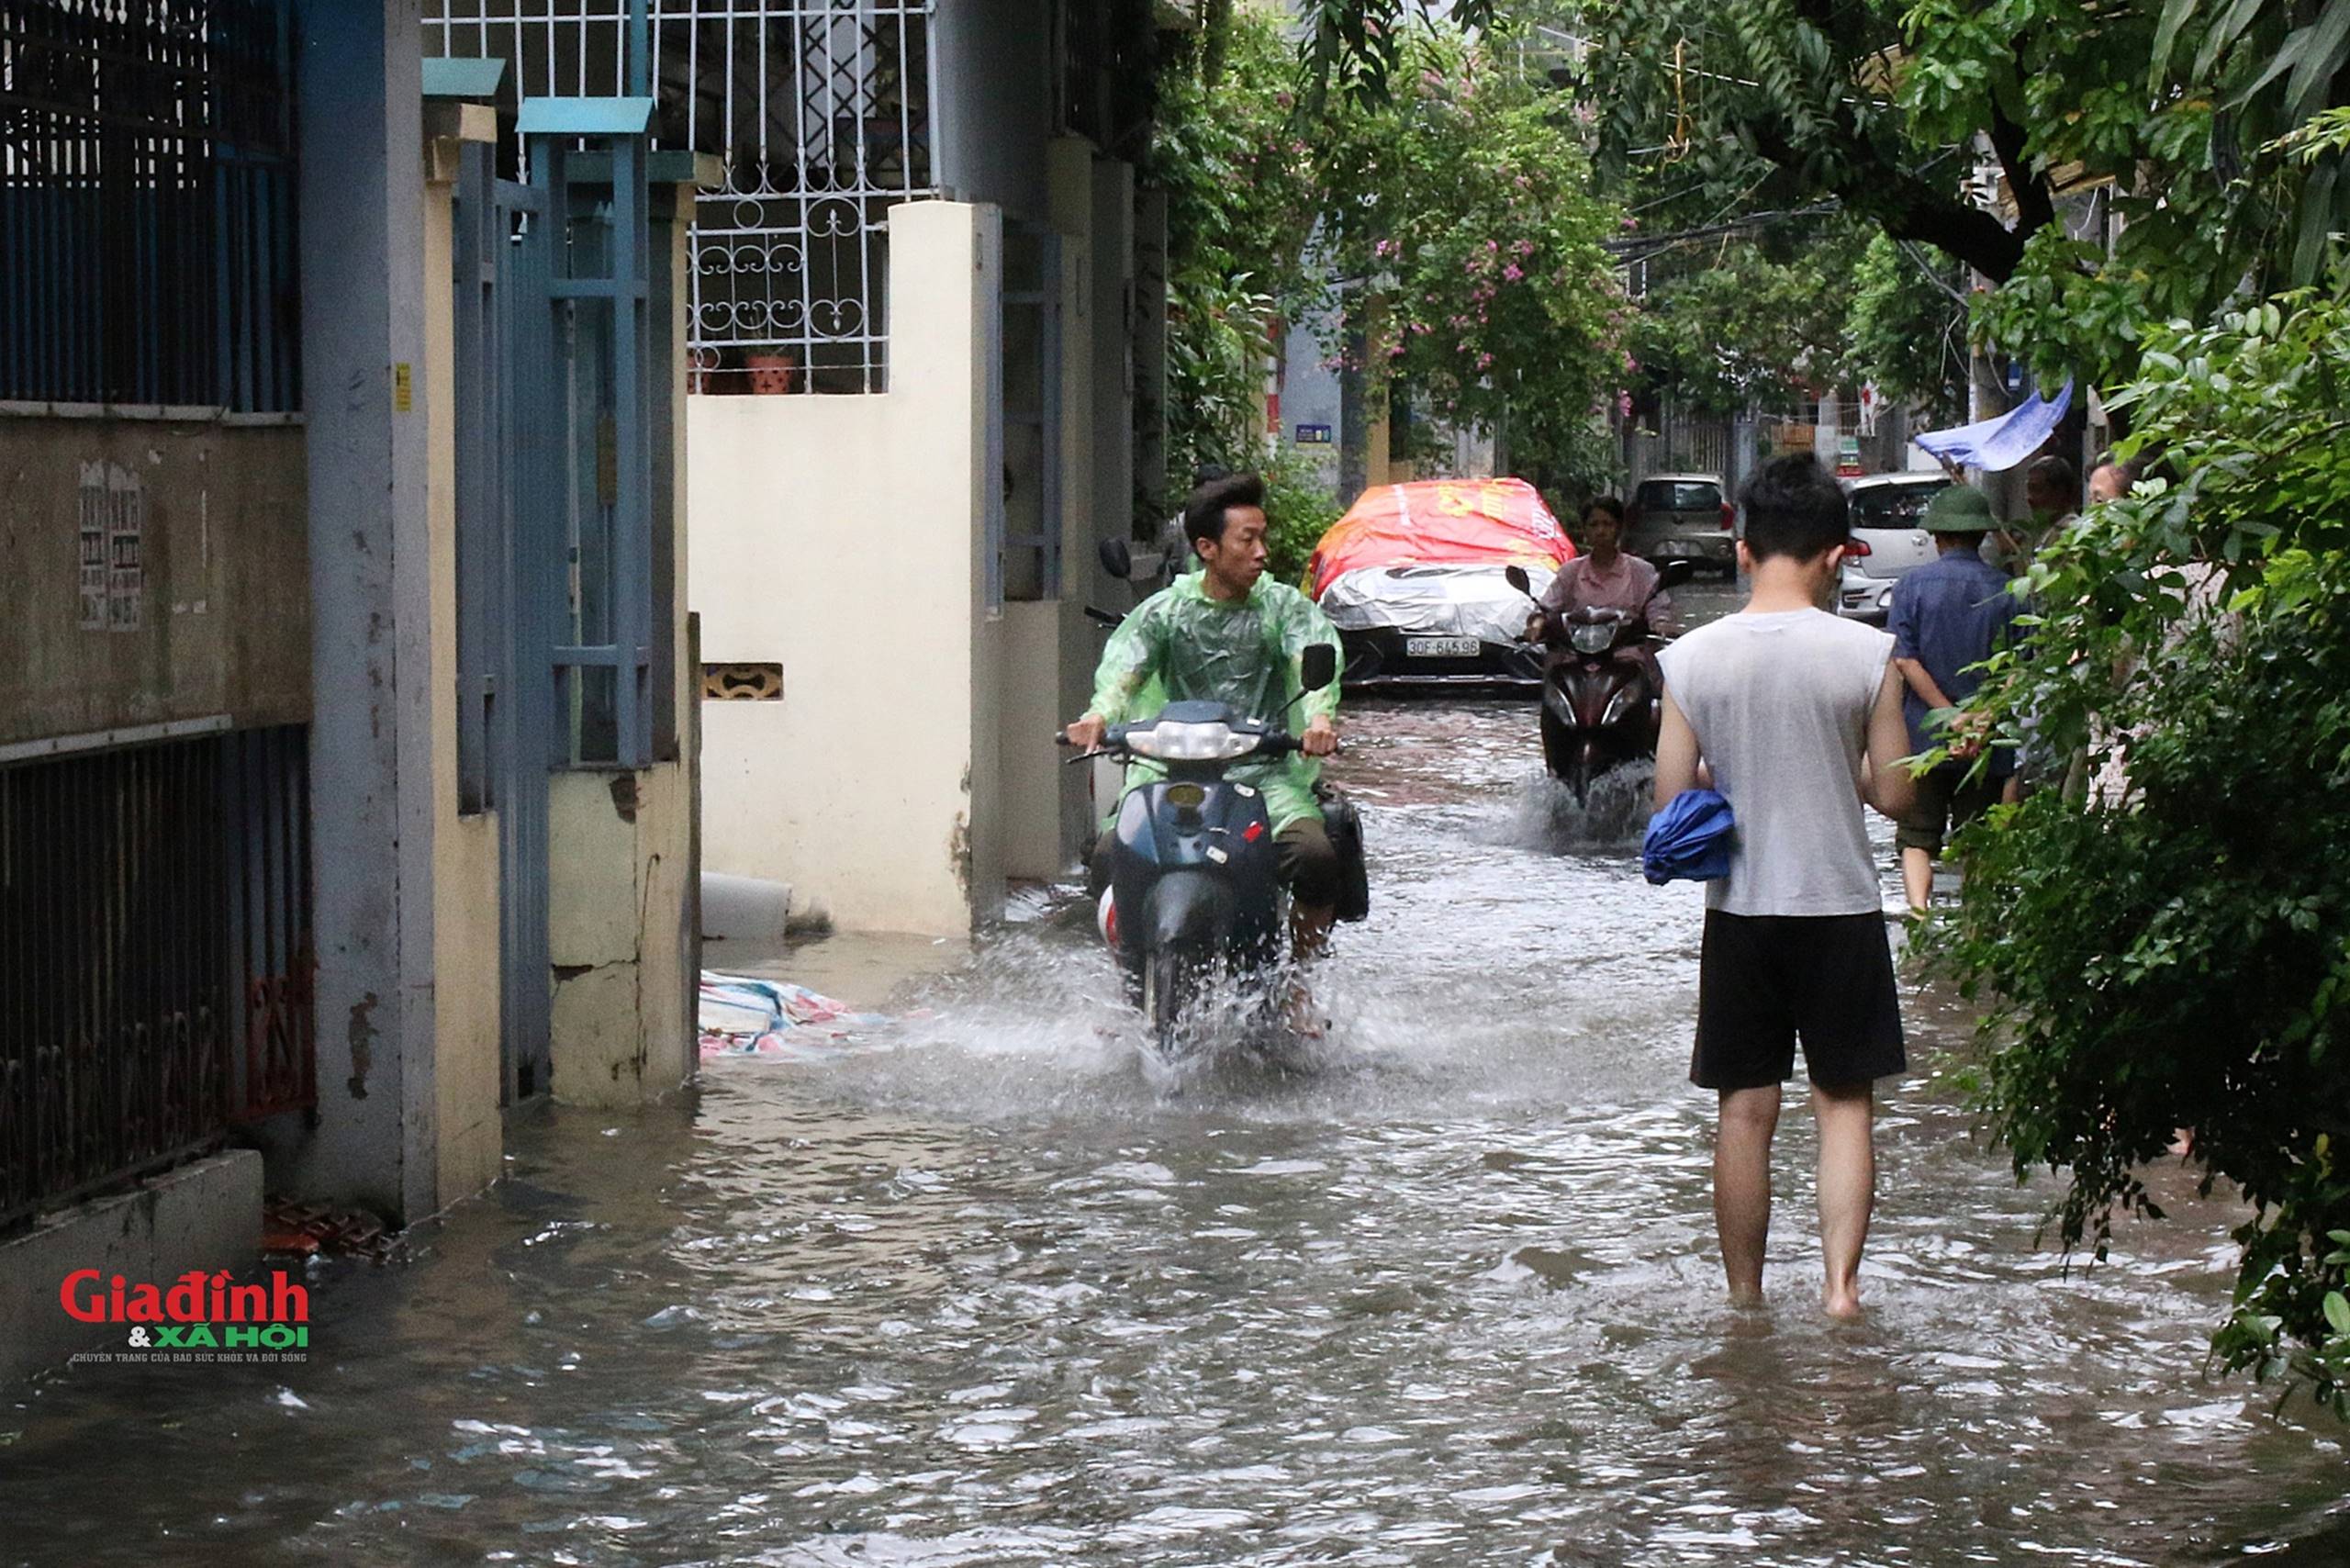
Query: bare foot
x=1843, y=1305
x=1304, y=1019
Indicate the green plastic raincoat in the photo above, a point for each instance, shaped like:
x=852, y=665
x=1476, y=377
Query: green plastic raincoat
x=1180, y=646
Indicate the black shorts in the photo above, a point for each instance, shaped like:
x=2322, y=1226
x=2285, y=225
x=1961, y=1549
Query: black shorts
x=1765, y=980
x=1948, y=799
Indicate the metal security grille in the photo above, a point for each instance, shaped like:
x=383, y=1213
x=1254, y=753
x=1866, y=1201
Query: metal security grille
x=265, y=816
x=154, y=958
x=822, y=114
x=147, y=240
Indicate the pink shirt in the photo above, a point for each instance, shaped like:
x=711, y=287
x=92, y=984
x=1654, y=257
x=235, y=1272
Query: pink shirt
x=1625, y=585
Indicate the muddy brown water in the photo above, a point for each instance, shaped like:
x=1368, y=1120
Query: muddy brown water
x=984, y=1289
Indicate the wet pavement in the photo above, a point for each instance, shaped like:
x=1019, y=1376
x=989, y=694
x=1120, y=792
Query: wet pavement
x=983, y=1289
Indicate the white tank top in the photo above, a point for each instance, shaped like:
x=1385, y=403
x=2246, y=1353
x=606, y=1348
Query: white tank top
x=1781, y=705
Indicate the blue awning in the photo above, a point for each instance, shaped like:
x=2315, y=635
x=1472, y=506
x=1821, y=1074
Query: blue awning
x=1996, y=444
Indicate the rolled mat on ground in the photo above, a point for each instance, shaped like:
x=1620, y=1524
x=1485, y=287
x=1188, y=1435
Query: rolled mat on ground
x=745, y=1017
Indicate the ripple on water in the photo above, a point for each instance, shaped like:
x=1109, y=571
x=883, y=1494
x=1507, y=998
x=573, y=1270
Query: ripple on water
x=986, y=1289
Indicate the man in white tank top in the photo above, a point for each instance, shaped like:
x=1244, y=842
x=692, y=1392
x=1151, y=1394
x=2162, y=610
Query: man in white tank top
x=1795, y=715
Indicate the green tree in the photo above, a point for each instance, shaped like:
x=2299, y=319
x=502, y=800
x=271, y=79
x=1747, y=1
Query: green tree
x=1906, y=329
x=1461, y=215
x=2171, y=946
x=1241, y=201
x=1743, y=327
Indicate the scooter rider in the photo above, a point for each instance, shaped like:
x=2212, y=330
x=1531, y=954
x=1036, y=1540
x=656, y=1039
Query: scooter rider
x=1604, y=578
x=1227, y=633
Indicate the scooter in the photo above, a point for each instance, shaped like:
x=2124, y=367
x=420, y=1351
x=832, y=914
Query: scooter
x=1195, y=884
x=1601, y=704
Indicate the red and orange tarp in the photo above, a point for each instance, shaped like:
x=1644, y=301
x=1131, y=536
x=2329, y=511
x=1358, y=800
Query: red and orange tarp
x=1459, y=522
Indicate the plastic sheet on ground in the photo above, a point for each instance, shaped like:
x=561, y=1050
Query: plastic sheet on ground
x=745, y=1017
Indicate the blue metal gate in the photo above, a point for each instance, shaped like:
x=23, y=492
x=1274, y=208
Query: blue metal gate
x=509, y=574
x=559, y=628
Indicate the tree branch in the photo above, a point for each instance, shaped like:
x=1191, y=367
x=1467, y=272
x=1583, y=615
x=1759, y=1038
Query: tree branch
x=1904, y=206
x=2035, y=207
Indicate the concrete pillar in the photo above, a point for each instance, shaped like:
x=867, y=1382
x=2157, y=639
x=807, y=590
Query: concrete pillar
x=363, y=346
x=1113, y=357
x=1150, y=355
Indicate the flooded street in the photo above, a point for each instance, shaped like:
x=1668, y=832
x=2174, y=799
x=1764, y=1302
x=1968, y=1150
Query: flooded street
x=979, y=1289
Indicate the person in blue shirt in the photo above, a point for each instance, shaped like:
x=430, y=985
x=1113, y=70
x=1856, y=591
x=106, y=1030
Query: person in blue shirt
x=1948, y=617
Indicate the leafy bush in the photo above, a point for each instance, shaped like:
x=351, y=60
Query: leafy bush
x=1240, y=204
x=2170, y=947
x=1298, y=512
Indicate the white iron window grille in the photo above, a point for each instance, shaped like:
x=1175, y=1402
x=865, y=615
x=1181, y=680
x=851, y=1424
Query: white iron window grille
x=822, y=114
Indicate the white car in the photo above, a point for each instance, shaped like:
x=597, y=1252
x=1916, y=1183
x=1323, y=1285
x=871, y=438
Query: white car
x=1886, y=540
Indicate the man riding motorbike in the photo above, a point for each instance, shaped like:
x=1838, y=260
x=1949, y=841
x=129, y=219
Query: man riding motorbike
x=1604, y=578
x=1600, y=684
x=1227, y=633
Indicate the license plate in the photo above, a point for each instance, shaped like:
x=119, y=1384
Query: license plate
x=1442, y=647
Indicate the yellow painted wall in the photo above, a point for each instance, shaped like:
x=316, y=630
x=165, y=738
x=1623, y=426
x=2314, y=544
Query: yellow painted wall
x=466, y=999
x=617, y=875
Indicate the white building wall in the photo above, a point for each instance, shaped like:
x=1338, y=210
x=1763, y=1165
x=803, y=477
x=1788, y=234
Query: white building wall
x=843, y=538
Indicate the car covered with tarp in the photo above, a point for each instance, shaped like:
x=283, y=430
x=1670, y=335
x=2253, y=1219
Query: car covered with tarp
x=1412, y=578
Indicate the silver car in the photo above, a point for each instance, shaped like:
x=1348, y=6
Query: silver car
x=1682, y=517
x=1886, y=540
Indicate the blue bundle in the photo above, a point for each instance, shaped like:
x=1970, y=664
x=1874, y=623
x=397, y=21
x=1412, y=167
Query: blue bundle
x=1690, y=839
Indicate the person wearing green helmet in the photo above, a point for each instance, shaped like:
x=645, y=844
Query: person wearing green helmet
x=1948, y=617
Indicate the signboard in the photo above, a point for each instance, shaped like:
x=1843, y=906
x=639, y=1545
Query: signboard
x=109, y=543
x=1313, y=436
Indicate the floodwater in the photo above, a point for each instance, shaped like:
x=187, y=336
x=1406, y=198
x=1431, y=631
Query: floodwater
x=985, y=1289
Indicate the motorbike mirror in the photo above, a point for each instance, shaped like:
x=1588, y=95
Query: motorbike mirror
x=1320, y=666
x=1676, y=572
x=1117, y=559
x=1518, y=580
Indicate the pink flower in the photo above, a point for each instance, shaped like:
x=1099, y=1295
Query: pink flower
x=1513, y=272
x=1624, y=403
x=1631, y=223
x=1492, y=247
x=1485, y=362
x=1524, y=247
x=1632, y=365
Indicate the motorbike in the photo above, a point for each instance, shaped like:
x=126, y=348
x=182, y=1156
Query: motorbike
x=1195, y=884
x=1602, y=705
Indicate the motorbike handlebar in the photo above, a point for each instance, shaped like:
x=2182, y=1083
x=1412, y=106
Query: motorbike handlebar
x=1270, y=743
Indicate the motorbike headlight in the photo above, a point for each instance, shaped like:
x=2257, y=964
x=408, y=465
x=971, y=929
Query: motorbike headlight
x=1593, y=637
x=1190, y=742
